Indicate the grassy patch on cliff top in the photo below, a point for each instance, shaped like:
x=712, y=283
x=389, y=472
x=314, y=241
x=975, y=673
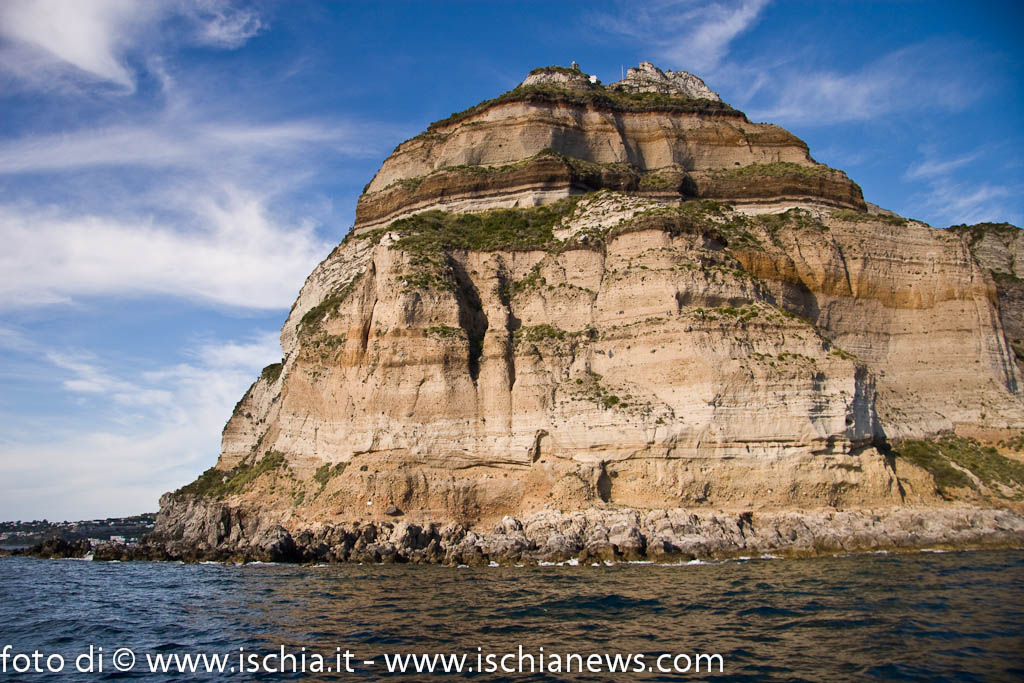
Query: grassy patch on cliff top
x=215, y=483
x=778, y=169
x=978, y=231
x=692, y=217
x=428, y=236
x=493, y=230
x=556, y=69
x=608, y=99
x=939, y=456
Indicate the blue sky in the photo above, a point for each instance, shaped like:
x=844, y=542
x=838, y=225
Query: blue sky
x=170, y=173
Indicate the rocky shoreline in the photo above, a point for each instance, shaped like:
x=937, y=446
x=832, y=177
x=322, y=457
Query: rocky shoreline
x=586, y=537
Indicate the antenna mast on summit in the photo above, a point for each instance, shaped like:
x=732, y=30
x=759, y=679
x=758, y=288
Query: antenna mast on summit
x=622, y=72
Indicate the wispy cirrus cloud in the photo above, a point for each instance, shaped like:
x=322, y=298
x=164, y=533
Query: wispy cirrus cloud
x=688, y=34
x=925, y=76
x=191, y=143
x=218, y=23
x=159, y=427
x=176, y=201
x=225, y=249
x=949, y=194
x=208, y=216
x=86, y=377
x=54, y=44
x=789, y=86
x=931, y=168
x=950, y=201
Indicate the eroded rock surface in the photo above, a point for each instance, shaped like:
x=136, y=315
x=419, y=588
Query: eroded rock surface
x=541, y=314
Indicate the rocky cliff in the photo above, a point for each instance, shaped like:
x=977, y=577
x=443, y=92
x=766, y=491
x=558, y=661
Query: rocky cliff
x=577, y=299
x=560, y=133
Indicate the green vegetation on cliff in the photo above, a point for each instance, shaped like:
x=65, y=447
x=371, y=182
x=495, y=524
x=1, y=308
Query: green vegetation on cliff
x=326, y=472
x=950, y=459
x=556, y=69
x=316, y=315
x=978, y=231
x=436, y=231
x=430, y=236
x=271, y=372
x=1014, y=443
x=546, y=332
x=446, y=332
x=215, y=483
x=713, y=219
x=778, y=169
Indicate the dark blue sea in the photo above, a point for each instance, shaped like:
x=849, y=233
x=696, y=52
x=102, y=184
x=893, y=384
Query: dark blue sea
x=955, y=616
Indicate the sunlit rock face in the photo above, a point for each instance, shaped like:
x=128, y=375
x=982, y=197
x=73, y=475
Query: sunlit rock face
x=579, y=297
x=560, y=133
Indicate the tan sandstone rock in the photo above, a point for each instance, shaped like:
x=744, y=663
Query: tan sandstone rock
x=540, y=311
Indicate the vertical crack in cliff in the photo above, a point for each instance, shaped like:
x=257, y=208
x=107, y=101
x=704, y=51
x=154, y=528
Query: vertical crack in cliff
x=364, y=331
x=472, y=318
x=604, y=484
x=538, y=441
x=512, y=323
x=846, y=269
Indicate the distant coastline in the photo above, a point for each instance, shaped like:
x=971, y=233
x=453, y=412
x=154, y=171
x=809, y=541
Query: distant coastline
x=25, y=534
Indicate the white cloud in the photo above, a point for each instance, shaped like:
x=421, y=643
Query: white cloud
x=84, y=35
x=948, y=201
x=164, y=428
x=181, y=207
x=715, y=30
x=788, y=86
x=688, y=34
x=173, y=143
x=13, y=340
x=50, y=43
x=921, y=77
x=237, y=355
x=219, y=24
x=235, y=254
x=950, y=198
x=87, y=378
x=931, y=168
x=176, y=202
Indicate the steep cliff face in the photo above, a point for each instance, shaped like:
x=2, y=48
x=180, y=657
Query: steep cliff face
x=540, y=309
x=999, y=249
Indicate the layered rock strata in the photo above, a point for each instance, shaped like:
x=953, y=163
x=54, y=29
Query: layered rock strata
x=559, y=134
x=541, y=312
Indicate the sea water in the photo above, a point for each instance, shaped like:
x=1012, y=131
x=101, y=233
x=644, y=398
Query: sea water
x=922, y=616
